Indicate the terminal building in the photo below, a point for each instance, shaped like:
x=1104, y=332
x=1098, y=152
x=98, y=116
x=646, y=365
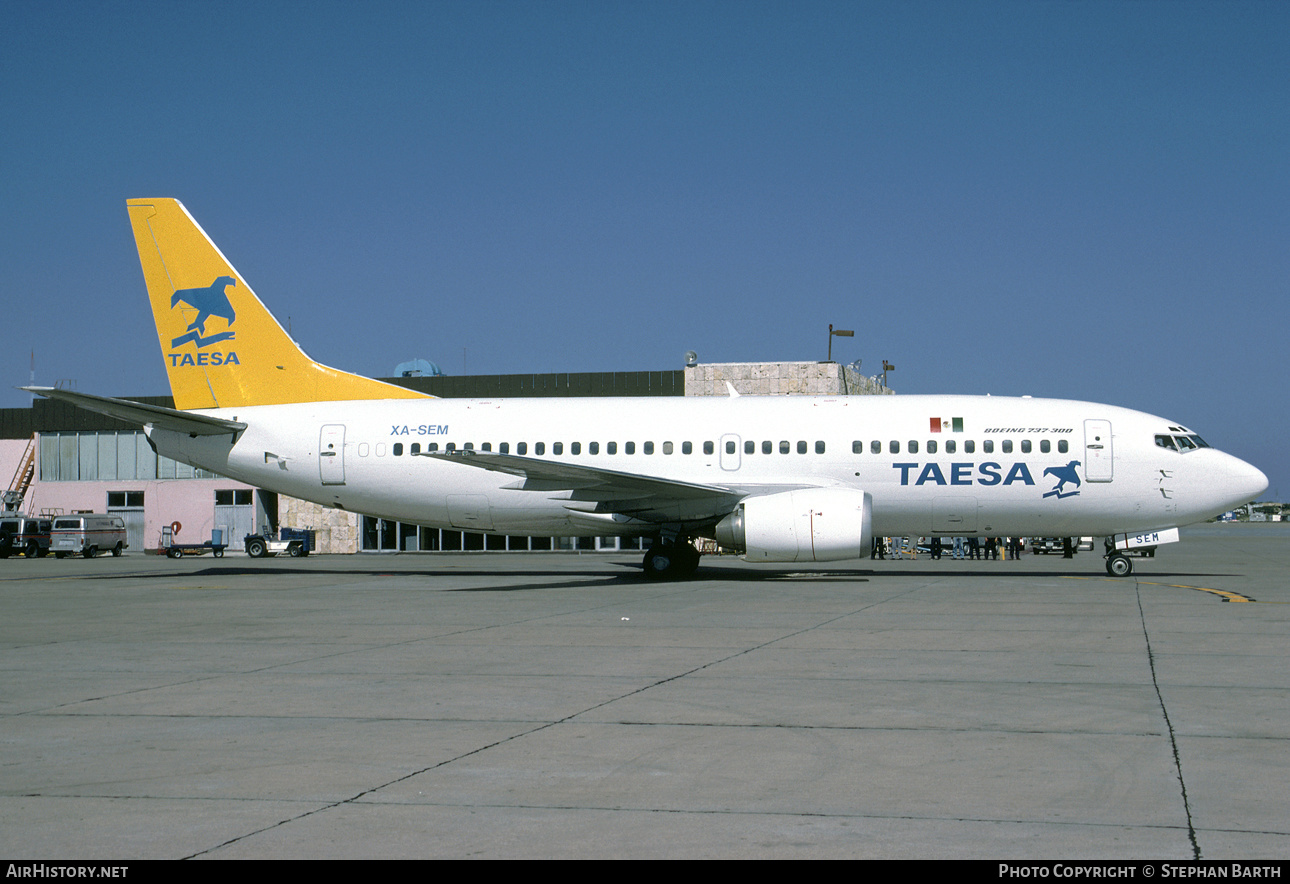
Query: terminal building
x=63, y=459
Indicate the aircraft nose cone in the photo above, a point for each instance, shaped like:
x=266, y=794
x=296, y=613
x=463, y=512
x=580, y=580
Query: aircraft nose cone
x=1249, y=480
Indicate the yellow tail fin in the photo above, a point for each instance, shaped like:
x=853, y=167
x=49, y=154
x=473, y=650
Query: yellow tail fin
x=222, y=347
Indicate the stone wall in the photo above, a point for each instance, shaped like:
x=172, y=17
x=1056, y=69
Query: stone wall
x=780, y=379
x=336, y=531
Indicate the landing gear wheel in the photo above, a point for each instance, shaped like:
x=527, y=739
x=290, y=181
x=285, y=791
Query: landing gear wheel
x=1119, y=566
x=671, y=561
x=658, y=563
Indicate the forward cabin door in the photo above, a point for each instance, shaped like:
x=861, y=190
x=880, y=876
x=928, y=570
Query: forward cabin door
x=331, y=454
x=1098, y=455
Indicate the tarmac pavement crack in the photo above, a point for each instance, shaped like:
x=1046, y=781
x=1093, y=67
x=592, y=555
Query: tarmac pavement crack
x=1169, y=726
x=546, y=725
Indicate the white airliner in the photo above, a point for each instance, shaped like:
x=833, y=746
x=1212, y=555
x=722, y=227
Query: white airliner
x=781, y=479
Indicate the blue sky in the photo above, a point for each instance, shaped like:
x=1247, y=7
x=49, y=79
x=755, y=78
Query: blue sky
x=1084, y=200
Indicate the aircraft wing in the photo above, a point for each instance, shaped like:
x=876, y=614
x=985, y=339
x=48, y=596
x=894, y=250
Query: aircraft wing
x=137, y=413
x=606, y=491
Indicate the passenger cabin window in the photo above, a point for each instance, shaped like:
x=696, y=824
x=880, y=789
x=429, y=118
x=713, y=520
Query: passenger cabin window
x=893, y=447
x=1007, y=446
x=969, y=447
x=768, y=447
x=667, y=447
x=593, y=447
x=629, y=448
x=708, y=448
x=1062, y=446
x=784, y=447
x=398, y=449
x=819, y=447
x=730, y=446
x=913, y=446
x=951, y=446
x=521, y=448
x=648, y=447
x=687, y=448
x=557, y=448
x=1045, y=446
x=611, y=448
x=801, y=446
x=504, y=448
x=857, y=447
x=875, y=447
x=416, y=448
x=988, y=446
x=1025, y=446
x=931, y=446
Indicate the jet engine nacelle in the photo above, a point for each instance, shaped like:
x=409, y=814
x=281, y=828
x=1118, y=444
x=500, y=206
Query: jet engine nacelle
x=810, y=525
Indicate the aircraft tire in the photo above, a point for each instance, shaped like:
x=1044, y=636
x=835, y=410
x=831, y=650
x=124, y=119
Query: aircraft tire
x=658, y=563
x=1119, y=566
x=670, y=561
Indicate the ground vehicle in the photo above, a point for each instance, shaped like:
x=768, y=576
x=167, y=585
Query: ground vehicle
x=1042, y=546
x=179, y=550
x=88, y=534
x=23, y=534
x=293, y=543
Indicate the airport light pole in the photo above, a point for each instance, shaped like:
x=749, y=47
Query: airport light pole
x=840, y=333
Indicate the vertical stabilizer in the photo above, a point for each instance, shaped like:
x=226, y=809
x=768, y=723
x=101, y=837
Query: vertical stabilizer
x=222, y=347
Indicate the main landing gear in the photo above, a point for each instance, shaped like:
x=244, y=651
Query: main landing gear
x=674, y=560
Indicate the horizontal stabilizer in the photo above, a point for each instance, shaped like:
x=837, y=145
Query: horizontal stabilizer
x=143, y=415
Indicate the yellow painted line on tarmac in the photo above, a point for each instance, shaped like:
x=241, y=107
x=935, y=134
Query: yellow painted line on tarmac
x=1225, y=595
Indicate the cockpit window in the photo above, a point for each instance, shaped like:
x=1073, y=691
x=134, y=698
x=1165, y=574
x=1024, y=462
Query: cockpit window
x=1185, y=443
x=1200, y=443
x=1166, y=442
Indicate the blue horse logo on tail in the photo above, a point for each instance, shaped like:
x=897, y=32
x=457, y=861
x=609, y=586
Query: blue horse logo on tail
x=1064, y=475
x=209, y=301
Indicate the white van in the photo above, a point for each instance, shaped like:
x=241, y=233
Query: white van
x=88, y=534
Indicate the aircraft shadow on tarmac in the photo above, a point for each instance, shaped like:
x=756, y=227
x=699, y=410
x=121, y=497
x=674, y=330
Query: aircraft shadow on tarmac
x=619, y=573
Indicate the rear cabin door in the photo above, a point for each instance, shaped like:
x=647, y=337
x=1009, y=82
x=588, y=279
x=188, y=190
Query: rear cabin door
x=331, y=454
x=1099, y=460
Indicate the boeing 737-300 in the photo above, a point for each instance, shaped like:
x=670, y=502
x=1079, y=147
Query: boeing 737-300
x=777, y=478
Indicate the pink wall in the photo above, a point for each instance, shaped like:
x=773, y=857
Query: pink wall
x=188, y=501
